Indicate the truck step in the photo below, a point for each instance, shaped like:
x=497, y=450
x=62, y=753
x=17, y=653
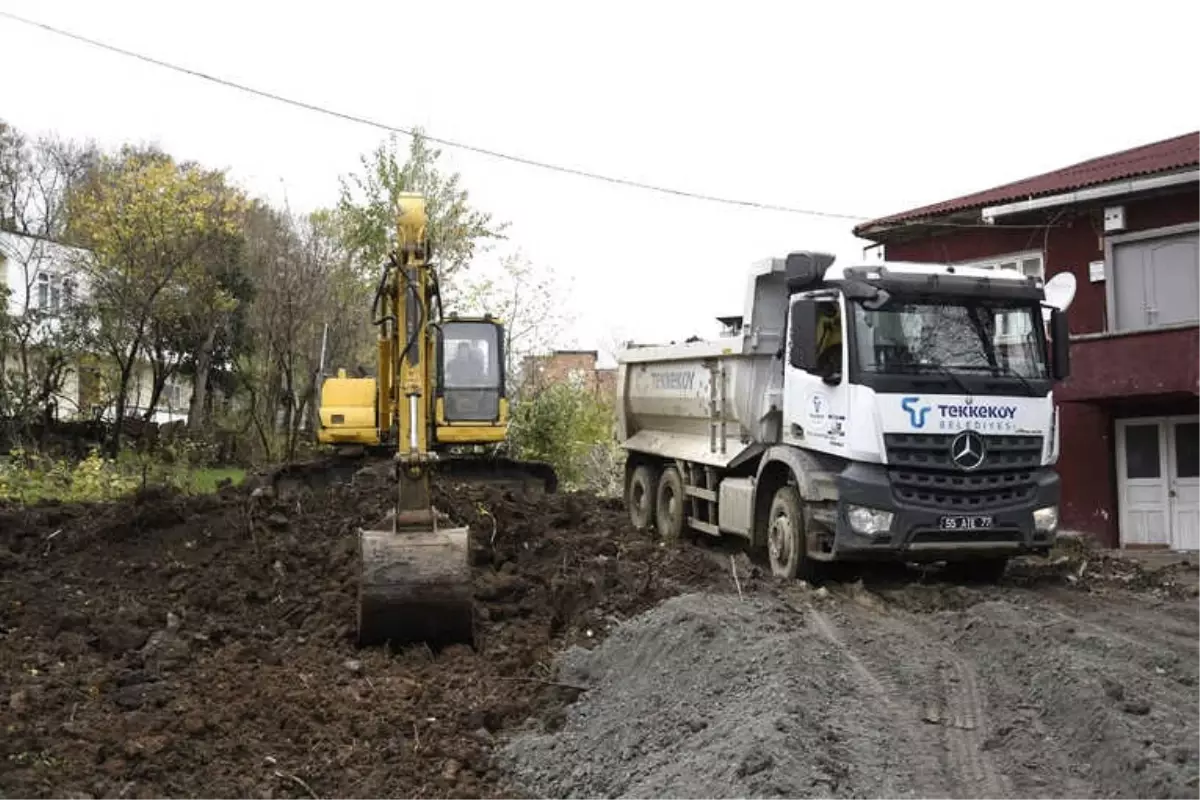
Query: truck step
x=704, y=527
x=703, y=494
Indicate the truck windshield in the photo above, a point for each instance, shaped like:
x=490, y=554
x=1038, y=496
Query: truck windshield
x=913, y=336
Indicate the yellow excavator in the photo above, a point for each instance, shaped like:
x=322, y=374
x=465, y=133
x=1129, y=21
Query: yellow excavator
x=437, y=400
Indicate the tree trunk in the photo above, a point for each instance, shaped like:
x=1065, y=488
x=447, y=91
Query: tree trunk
x=119, y=415
x=159, y=372
x=200, y=384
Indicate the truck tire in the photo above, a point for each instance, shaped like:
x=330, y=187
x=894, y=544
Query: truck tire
x=786, y=547
x=641, y=497
x=669, y=505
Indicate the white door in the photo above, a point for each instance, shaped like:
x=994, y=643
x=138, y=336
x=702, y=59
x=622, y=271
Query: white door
x=1142, y=482
x=1183, y=434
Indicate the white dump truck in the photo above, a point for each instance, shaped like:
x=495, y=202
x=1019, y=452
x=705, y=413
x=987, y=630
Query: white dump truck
x=884, y=411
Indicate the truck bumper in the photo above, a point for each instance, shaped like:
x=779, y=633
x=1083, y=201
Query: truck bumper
x=929, y=533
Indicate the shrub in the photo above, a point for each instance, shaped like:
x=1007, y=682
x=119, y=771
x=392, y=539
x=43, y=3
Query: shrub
x=570, y=428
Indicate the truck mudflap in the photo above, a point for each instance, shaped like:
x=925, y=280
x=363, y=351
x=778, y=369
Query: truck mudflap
x=957, y=519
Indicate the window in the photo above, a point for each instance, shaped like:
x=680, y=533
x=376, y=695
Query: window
x=1154, y=279
x=1029, y=264
x=470, y=371
x=54, y=293
x=929, y=337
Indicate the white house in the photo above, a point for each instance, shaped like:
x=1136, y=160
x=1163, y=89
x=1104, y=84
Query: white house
x=43, y=278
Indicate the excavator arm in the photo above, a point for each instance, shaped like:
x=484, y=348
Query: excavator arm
x=416, y=579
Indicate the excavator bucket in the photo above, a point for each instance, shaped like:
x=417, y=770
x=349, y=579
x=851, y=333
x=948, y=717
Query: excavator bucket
x=415, y=577
x=415, y=566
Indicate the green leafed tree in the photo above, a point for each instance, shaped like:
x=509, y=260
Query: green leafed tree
x=147, y=222
x=369, y=204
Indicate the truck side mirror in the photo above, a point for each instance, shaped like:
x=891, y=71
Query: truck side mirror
x=1061, y=355
x=802, y=352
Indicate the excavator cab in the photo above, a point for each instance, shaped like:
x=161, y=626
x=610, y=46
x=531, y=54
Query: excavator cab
x=472, y=407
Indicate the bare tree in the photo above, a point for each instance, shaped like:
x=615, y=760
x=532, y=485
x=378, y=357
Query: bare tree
x=43, y=331
x=526, y=297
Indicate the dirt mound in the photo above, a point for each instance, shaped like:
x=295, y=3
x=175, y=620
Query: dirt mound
x=798, y=692
x=171, y=646
x=709, y=696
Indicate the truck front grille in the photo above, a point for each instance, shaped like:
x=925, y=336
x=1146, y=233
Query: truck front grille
x=922, y=472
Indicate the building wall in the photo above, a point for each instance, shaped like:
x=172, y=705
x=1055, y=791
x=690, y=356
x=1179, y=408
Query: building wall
x=1074, y=241
x=21, y=259
x=1113, y=376
x=568, y=366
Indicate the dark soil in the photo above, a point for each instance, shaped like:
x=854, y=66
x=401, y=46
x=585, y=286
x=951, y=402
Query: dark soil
x=174, y=646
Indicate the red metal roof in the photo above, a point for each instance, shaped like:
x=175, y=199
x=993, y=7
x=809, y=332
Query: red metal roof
x=1165, y=156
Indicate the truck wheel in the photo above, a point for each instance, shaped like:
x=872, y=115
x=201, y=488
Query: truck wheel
x=785, y=535
x=668, y=506
x=640, y=498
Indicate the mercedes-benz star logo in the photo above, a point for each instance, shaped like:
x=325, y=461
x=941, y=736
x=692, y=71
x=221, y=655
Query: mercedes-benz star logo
x=967, y=450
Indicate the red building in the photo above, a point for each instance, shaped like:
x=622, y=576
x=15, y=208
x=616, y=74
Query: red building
x=1126, y=226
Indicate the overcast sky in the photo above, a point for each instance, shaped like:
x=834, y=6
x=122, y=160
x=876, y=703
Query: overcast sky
x=851, y=107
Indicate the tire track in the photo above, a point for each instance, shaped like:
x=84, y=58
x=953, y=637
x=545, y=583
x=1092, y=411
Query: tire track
x=964, y=728
x=957, y=753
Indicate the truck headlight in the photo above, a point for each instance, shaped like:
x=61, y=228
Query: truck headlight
x=1045, y=520
x=868, y=521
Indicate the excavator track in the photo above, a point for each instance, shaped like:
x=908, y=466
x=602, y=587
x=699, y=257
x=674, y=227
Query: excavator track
x=320, y=473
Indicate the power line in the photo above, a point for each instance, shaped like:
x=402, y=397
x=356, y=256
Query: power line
x=409, y=132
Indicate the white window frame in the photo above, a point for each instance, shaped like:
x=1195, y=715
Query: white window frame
x=1013, y=261
x=43, y=291
x=1016, y=262
x=53, y=292
x=1110, y=290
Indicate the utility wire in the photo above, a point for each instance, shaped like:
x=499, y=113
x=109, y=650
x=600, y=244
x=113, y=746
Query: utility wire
x=409, y=132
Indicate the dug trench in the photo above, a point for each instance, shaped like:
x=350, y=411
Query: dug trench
x=172, y=646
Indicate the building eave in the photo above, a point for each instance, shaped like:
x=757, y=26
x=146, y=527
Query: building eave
x=1113, y=190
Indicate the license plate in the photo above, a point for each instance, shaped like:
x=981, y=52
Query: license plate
x=965, y=522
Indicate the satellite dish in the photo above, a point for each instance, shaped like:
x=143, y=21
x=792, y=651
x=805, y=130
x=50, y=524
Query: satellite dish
x=1060, y=290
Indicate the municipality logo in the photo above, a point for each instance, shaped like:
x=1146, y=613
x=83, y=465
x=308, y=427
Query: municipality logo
x=916, y=413
x=960, y=416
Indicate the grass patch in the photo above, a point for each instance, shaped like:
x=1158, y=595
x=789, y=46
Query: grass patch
x=206, y=480
x=32, y=478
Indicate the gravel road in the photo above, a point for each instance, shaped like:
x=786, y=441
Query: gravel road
x=900, y=690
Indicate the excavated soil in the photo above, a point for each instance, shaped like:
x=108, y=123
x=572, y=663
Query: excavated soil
x=173, y=646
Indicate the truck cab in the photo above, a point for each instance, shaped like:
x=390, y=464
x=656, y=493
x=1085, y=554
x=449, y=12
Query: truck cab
x=882, y=411
x=934, y=385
